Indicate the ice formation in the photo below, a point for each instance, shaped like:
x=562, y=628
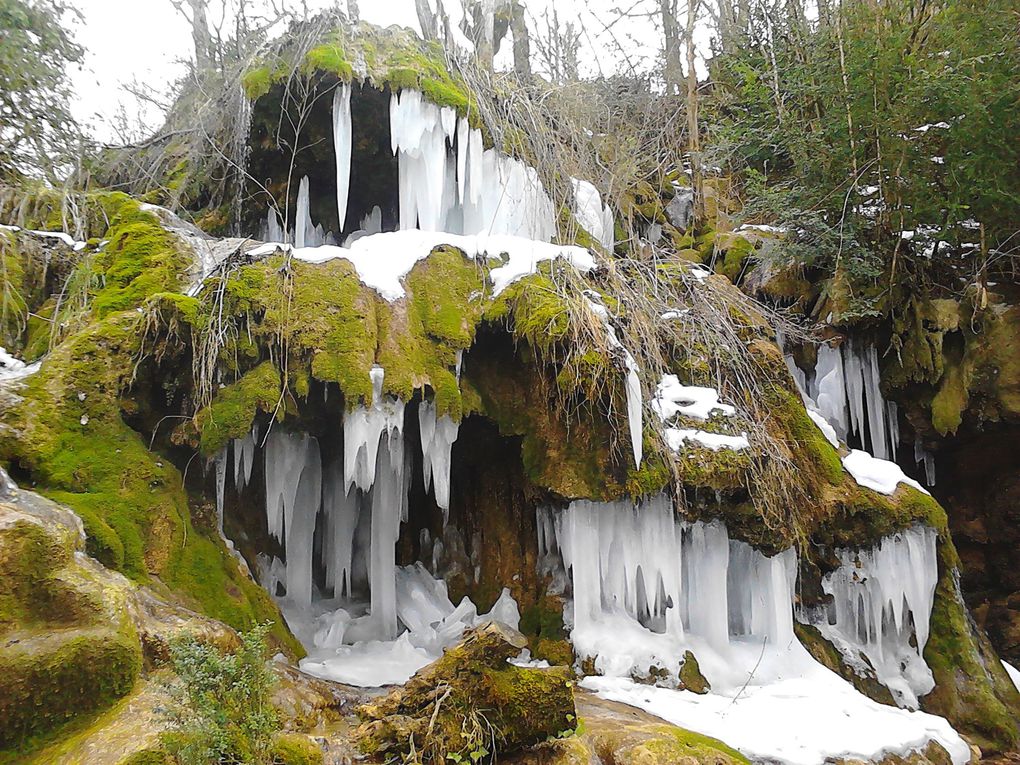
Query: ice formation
x=845, y=390
x=342, y=148
x=881, y=606
x=449, y=182
x=13, y=368
x=437, y=437
x=1013, y=672
x=590, y=213
x=647, y=587
x=293, y=492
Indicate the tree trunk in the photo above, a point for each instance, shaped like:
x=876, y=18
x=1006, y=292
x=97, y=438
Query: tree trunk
x=427, y=19
x=694, y=139
x=522, y=42
x=671, y=46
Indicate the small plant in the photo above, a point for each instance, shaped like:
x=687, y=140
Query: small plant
x=220, y=709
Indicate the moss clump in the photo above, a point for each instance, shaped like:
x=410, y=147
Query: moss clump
x=67, y=432
x=257, y=82
x=295, y=749
x=49, y=679
x=690, y=675
x=140, y=259
x=734, y=249
x=234, y=408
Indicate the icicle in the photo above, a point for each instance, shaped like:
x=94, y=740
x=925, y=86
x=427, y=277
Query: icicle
x=462, y=156
x=244, y=459
x=437, y=437
x=830, y=389
x=342, y=144
x=273, y=230
x=293, y=498
x=925, y=457
x=221, y=483
x=882, y=603
x=362, y=431
x=303, y=221
x=341, y=509
x=388, y=500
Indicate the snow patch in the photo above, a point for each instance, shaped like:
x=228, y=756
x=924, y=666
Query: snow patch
x=882, y=476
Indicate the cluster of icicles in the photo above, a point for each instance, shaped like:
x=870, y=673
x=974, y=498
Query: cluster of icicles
x=447, y=181
x=647, y=588
x=363, y=492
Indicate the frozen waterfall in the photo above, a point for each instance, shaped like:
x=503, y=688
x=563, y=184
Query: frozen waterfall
x=882, y=600
x=647, y=587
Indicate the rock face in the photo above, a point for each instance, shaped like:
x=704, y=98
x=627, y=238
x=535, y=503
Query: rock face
x=471, y=700
x=68, y=645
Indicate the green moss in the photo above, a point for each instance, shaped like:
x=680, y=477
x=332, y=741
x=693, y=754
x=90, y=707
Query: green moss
x=329, y=57
x=674, y=745
x=234, y=408
x=139, y=260
x=147, y=757
x=690, y=675
x=296, y=749
x=735, y=250
x=49, y=679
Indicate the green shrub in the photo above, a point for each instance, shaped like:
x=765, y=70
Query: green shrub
x=220, y=709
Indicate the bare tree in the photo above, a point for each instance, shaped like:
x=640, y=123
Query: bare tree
x=197, y=15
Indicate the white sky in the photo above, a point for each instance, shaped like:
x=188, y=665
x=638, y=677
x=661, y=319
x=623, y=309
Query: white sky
x=147, y=40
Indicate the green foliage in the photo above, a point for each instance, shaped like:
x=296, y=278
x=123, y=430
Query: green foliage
x=37, y=131
x=220, y=708
x=892, y=116
x=233, y=409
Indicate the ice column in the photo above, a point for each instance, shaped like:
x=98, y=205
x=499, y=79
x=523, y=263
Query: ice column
x=374, y=461
x=342, y=144
x=340, y=507
x=303, y=220
x=437, y=437
x=882, y=603
x=293, y=497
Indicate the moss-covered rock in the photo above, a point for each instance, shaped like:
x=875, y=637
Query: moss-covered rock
x=471, y=703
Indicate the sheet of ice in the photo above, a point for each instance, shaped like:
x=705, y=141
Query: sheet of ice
x=678, y=438
x=437, y=437
x=1013, y=672
x=371, y=663
x=881, y=607
x=882, y=476
x=342, y=148
x=812, y=716
x=671, y=398
x=829, y=389
x=382, y=260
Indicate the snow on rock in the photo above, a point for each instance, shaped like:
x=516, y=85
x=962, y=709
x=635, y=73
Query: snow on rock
x=882, y=476
x=882, y=600
x=672, y=398
x=58, y=235
x=383, y=260
x=806, y=719
x=677, y=438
